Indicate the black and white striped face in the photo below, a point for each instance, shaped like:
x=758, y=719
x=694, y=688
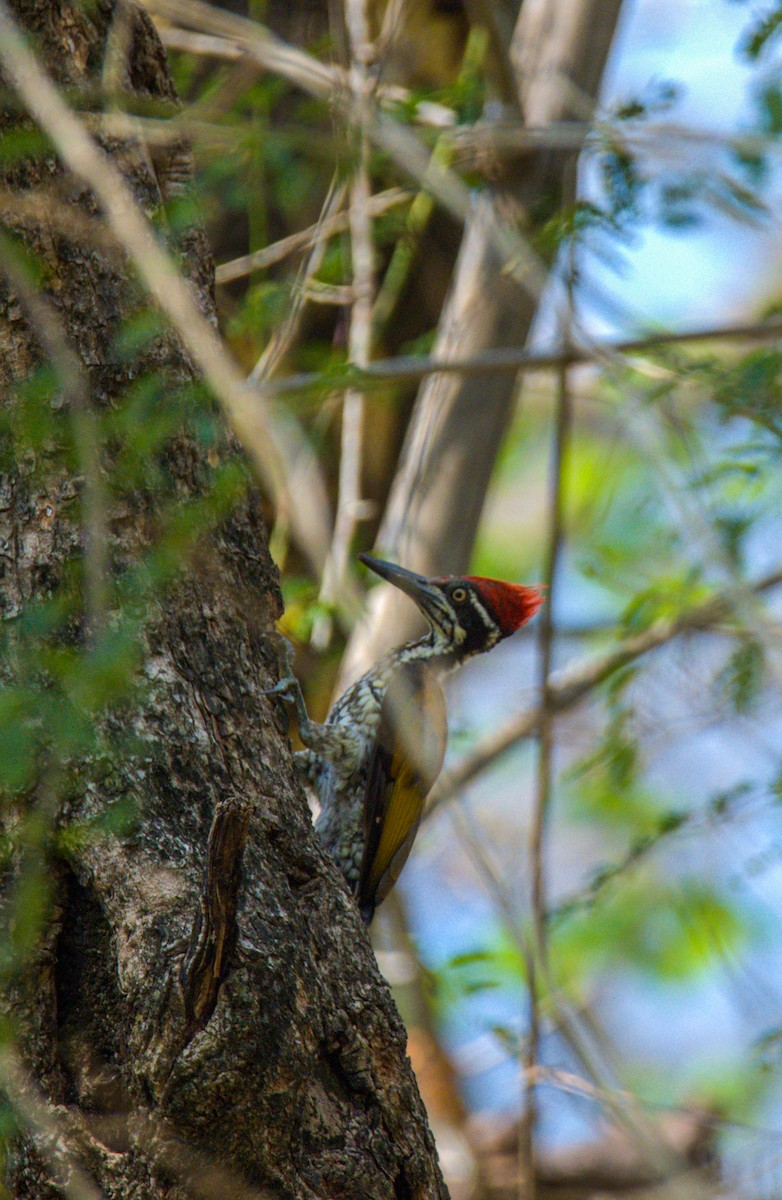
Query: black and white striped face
x=459, y=618
x=468, y=614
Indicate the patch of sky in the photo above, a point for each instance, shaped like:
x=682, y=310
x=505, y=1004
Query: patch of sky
x=710, y=272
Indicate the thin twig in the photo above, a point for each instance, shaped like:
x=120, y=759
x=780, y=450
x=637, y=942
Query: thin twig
x=622, y=1106
x=337, y=295
x=414, y=367
x=399, y=142
x=305, y=239
x=349, y=503
x=204, y=44
x=695, y=822
x=419, y=215
x=406, y=248
x=302, y=462
x=676, y=494
x=48, y=1127
x=283, y=338
x=521, y=261
x=269, y=51
x=163, y=131
x=627, y=1114
x=542, y=800
x=230, y=36
x=489, y=139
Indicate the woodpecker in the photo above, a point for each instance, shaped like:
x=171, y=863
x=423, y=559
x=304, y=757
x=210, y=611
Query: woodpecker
x=381, y=748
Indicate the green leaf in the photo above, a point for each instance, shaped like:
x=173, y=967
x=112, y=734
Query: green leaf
x=742, y=677
x=755, y=40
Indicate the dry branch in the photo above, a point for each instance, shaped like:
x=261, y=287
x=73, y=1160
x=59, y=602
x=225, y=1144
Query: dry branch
x=536, y=866
x=305, y=239
x=349, y=502
x=252, y=38
x=408, y=368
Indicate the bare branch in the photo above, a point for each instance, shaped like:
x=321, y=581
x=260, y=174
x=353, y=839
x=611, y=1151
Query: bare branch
x=305, y=239
x=269, y=51
x=511, y=361
x=349, y=502
x=229, y=36
x=627, y=1114
x=332, y=83
x=486, y=141
x=405, y=251
x=304, y=473
x=517, y=259
x=283, y=338
x=200, y=43
x=542, y=801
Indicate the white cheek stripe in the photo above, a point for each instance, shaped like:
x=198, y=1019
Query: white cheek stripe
x=491, y=625
x=448, y=628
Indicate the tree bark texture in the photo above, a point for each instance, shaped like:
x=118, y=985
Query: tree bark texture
x=202, y=1014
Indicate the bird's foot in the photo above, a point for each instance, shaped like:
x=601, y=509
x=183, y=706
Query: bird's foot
x=288, y=688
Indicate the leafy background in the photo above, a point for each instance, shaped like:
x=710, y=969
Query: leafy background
x=663, y=845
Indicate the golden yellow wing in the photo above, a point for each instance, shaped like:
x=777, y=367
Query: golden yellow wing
x=406, y=759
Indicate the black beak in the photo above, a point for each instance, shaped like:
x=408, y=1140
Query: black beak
x=417, y=587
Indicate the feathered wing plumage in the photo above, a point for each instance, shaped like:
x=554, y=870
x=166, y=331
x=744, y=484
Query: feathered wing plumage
x=406, y=759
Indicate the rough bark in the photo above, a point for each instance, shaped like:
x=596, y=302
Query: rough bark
x=202, y=1014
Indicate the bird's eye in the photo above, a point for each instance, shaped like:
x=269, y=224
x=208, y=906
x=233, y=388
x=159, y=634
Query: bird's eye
x=459, y=594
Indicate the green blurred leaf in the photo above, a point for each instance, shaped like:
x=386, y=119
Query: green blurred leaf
x=742, y=677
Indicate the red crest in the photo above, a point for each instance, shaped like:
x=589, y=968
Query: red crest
x=511, y=605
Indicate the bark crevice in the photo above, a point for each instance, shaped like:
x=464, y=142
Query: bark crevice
x=215, y=932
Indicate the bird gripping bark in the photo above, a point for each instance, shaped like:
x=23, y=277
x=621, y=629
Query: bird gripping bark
x=374, y=760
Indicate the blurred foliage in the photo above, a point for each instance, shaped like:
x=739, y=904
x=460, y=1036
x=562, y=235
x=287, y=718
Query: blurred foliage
x=760, y=32
x=672, y=493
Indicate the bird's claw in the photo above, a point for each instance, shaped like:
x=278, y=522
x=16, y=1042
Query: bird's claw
x=286, y=689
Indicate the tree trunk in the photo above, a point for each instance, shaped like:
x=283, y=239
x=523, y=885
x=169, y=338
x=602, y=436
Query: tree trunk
x=200, y=1012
